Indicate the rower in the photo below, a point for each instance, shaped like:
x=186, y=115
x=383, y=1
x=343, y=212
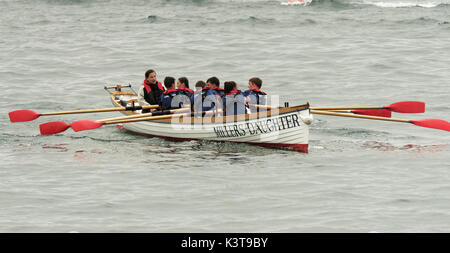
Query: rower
x=151, y=90
x=196, y=98
x=256, y=96
x=185, y=96
x=210, y=96
x=200, y=85
x=169, y=94
x=233, y=101
x=183, y=83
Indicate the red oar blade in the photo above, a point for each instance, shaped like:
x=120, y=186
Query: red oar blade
x=432, y=123
x=53, y=127
x=374, y=112
x=85, y=125
x=407, y=107
x=23, y=115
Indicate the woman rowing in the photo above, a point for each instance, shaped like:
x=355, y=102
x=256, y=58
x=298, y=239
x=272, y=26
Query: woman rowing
x=234, y=101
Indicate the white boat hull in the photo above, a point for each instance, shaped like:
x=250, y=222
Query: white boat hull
x=284, y=129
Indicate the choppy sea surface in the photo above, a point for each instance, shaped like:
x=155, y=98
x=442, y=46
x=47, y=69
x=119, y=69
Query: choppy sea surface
x=359, y=175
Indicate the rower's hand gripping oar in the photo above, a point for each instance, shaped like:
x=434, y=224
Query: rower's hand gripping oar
x=430, y=123
x=29, y=115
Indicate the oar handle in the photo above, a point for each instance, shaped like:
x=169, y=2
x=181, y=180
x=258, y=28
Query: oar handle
x=119, y=86
x=98, y=110
x=357, y=116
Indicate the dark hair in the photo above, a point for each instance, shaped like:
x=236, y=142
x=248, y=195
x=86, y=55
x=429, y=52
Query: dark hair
x=200, y=84
x=256, y=81
x=229, y=86
x=169, y=81
x=148, y=72
x=185, y=81
x=214, y=80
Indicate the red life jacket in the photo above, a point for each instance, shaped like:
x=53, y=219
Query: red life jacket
x=220, y=90
x=205, y=91
x=147, y=86
x=187, y=90
x=233, y=92
x=169, y=91
x=258, y=91
x=217, y=88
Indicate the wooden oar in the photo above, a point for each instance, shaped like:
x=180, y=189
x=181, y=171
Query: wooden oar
x=401, y=107
x=146, y=114
x=430, y=123
x=372, y=112
x=28, y=115
x=58, y=126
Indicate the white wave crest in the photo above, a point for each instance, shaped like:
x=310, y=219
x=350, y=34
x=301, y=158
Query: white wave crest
x=296, y=2
x=402, y=4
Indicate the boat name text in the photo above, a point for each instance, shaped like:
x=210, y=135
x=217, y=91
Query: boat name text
x=259, y=127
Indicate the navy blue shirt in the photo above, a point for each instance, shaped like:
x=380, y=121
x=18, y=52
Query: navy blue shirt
x=257, y=97
x=234, y=103
x=208, y=99
x=166, y=99
x=174, y=99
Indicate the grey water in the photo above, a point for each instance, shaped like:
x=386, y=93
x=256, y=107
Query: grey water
x=359, y=175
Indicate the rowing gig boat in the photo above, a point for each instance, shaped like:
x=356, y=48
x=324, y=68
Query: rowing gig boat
x=284, y=127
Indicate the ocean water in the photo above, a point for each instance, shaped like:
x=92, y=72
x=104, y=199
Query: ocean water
x=359, y=175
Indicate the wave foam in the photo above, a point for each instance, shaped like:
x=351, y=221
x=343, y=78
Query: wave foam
x=297, y=2
x=403, y=4
x=382, y=4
